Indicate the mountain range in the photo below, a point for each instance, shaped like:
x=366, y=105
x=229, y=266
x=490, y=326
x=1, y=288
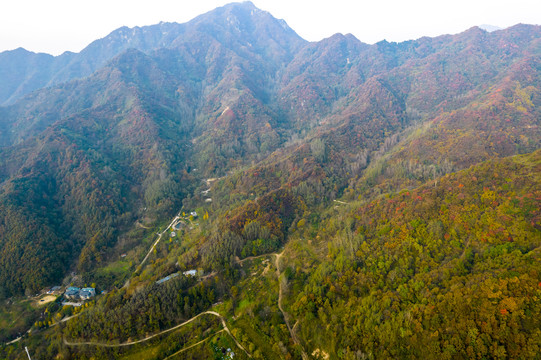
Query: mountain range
x=99, y=148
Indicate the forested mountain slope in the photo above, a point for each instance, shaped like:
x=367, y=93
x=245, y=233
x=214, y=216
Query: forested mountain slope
x=445, y=270
x=448, y=269
x=229, y=89
x=374, y=184
x=129, y=128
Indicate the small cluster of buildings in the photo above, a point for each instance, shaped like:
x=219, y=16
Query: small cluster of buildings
x=183, y=221
x=76, y=293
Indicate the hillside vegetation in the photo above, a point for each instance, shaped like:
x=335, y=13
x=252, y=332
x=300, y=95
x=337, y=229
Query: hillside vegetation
x=351, y=201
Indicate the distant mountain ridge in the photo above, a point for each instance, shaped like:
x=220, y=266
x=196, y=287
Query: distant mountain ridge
x=23, y=71
x=29, y=71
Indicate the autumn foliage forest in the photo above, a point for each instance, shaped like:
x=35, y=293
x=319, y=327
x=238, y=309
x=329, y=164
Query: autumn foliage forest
x=352, y=201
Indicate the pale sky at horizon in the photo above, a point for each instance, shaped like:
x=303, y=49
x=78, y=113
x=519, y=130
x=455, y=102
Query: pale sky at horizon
x=55, y=26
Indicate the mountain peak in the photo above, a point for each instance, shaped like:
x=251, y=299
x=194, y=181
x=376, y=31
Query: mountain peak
x=489, y=28
x=244, y=4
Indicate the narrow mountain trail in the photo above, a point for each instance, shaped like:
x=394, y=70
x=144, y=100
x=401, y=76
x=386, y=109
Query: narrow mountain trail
x=56, y=323
x=225, y=328
x=156, y=243
x=284, y=314
x=280, y=296
x=128, y=343
x=253, y=258
x=138, y=224
x=192, y=346
x=150, y=251
x=66, y=319
x=15, y=340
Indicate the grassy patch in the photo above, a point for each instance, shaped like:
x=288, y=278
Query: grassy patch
x=114, y=273
x=16, y=317
x=243, y=305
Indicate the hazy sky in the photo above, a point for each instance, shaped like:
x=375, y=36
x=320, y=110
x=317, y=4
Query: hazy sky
x=54, y=26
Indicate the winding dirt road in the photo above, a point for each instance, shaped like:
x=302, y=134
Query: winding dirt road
x=253, y=258
x=225, y=328
x=192, y=346
x=284, y=314
x=128, y=343
x=140, y=267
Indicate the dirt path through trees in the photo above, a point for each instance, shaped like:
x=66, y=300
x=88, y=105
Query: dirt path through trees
x=280, y=295
x=140, y=267
x=128, y=343
x=192, y=346
x=284, y=314
x=225, y=328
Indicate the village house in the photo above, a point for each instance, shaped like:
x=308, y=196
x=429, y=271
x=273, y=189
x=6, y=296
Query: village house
x=72, y=292
x=87, y=293
x=190, y=273
x=54, y=290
